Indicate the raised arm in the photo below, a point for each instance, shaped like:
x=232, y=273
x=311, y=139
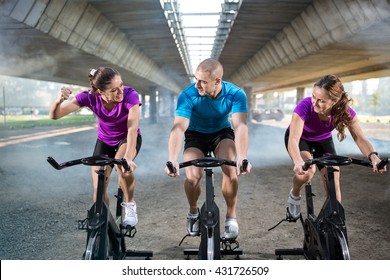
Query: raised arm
x=59, y=108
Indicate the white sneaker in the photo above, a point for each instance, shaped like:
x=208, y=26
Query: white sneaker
x=193, y=224
x=231, y=228
x=131, y=218
x=294, y=207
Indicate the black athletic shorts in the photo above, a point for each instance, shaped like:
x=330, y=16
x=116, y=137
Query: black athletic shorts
x=207, y=143
x=102, y=148
x=316, y=148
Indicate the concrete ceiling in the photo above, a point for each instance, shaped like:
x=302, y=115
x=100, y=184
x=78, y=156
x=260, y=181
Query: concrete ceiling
x=145, y=25
x=256, y=24
x=347, y=38
x=273, y=45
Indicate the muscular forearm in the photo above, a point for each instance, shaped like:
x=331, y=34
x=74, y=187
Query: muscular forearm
x=132, y=135
x=365, y=146
x=175, y=144
x=294, y=151
x=241, y=136
x=54, y=110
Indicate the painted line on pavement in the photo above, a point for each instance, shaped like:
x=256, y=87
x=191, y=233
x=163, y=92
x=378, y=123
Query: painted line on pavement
x=41, y=135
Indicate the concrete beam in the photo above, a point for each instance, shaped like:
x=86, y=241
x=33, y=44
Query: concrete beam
x=324, y=24
x=80, y=25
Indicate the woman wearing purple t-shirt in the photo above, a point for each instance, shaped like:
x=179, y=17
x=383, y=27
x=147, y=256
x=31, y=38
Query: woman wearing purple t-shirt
x=116, y=108
x=310, y=135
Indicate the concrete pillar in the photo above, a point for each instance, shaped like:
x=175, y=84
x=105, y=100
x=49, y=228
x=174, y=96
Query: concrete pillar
x=172, y=103
x=143, y=107
x=164, y=103
x=153, y=104
x=300, y=94
x=249, y=100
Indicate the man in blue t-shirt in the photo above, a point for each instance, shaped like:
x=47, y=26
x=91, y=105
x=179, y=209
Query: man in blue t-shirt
x=202, y=117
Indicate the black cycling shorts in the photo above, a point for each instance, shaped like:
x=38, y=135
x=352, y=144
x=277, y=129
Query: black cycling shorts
x=316, y=148
x=206, y=142
x=102, y=148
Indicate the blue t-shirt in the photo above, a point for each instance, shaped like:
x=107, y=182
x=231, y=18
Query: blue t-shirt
x=209, y=115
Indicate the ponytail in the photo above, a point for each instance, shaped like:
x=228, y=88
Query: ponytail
x=335, y=90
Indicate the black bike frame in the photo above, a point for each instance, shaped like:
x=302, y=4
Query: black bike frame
x=209, y=214
x=209, y=218
x=331, y=218
x=99, y=217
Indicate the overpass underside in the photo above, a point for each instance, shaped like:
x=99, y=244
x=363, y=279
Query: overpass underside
x=272, y=45
x=348, y=38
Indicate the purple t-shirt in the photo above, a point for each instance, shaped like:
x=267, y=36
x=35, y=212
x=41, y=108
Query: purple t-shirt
x=112, y=125
x=314, y=129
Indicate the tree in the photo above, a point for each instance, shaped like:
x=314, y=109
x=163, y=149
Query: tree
x=375, y=100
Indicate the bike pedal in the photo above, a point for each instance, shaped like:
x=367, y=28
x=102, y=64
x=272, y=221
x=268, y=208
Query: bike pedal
x=229, y=244
x=290, y=218
x=82, y=224
x=129, y=231
x=228, y=240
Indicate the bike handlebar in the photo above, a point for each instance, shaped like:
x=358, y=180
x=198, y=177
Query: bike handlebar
x=382, y=163
x=92, y=161
x=336, y=160
x=207, y=162
x=244, y=165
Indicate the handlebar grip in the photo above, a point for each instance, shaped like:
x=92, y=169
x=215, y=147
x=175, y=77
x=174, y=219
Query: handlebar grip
x=125, y=164
x=306, y=166
x=53, y=163
x=244, y=165
x=382, y=163
x=170, y=167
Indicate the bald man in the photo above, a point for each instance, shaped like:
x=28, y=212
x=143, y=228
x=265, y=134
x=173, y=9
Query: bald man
x=202, y=118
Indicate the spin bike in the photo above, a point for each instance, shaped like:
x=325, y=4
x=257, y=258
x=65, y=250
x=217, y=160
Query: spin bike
x=105, y=235
x=325, y=235
x=212, y=246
